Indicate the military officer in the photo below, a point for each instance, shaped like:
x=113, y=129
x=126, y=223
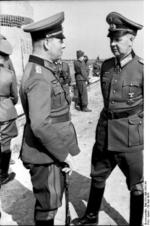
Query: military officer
x=119, y=133
x=49, y=136
x=97, y=67
x=81, y=77
x=8, y=114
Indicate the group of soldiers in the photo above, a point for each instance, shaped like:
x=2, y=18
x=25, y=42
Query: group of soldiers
x=49, y=144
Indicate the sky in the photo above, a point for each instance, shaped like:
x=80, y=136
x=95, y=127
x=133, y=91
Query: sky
x=85, y=24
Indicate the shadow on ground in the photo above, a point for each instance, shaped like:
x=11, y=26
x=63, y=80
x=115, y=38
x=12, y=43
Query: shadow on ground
x=18, y=201
x=79, y=191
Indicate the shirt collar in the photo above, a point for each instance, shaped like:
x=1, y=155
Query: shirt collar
x=125, y=60
x=42, y=62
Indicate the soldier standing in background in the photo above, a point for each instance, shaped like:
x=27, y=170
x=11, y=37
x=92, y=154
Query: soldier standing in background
x=49, y=139
x=64, y=74
x=86, y=60
x=119, y=133
x=82, y=80
x=8, y=114
x=97, y=67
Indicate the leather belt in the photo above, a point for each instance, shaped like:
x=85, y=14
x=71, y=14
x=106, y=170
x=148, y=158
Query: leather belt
x=125, y=114
x=61, y=118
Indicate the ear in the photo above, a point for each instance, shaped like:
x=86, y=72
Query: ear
x=132, y=37
x=46, y=44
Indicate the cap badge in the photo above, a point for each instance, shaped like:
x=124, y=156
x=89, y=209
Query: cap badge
x=112, y=26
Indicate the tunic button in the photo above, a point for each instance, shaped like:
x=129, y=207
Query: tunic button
x=114, y=91
x=140, y=122
x=112, y=102
x=115, y=80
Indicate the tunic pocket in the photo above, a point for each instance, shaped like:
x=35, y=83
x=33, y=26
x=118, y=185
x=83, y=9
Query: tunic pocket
x=57, y=95
x=136, y=131
x=131, y=89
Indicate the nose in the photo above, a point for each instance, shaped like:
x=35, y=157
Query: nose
x=113, y=43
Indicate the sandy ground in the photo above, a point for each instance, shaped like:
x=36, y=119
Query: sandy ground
x=17, y=200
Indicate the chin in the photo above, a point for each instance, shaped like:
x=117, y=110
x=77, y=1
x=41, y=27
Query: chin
x=116, y=54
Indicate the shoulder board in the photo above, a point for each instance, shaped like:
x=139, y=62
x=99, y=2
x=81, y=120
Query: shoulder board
x=141, y=60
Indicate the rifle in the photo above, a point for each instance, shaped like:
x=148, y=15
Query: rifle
x=67, y=214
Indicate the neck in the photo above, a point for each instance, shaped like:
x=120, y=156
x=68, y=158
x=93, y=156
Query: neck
x=121, y=57
x=42, y=55
x=1, y=61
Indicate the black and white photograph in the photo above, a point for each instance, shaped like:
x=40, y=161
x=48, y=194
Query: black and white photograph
x=72, y=134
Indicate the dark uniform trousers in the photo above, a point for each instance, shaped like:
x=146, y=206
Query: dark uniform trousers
x=82, y=99
x=131, y=164
x=119, y=133
x=49, y=135
x=48, y=188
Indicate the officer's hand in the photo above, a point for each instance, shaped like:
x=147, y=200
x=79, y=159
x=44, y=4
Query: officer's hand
x=67, y=170
x=66, y=165
x=70, y=164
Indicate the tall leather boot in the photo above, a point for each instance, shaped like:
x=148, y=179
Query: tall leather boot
x=45, y=223
x=4, y=166
x=136, y=209
x=94, y=203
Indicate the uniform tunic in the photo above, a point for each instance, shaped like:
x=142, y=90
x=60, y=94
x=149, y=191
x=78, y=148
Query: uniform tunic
x=119, y=130
x=45, y=102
